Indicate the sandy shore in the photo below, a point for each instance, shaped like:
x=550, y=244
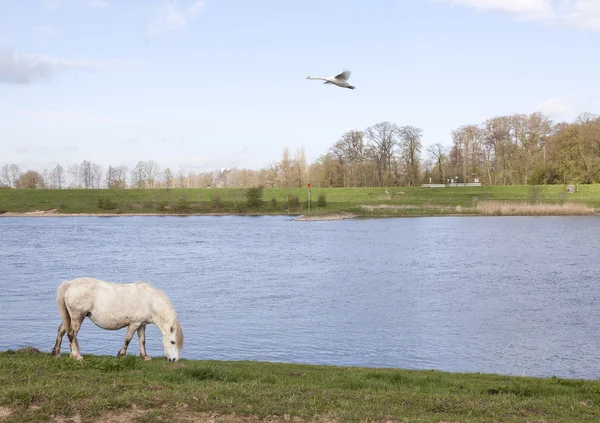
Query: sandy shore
x=336, y=216
x=55, y=213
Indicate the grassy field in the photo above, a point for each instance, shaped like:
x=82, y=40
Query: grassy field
x=402, y=201
x=35, y=387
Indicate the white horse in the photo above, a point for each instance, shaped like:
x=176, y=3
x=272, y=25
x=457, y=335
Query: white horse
x=113, y=306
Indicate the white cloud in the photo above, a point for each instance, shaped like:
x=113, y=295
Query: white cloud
x=583, y=14
x=15, y=69
x=172, y=18
x=197, y=7
x=19, y=68
x=555, y=107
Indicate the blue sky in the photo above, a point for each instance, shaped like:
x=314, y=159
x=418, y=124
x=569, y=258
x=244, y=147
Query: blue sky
x=221, y=83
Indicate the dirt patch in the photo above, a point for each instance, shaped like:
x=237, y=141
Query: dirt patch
x=32, y=213
x=28, y=350
x=336, y=216
x=75, y=419
x=4, y=413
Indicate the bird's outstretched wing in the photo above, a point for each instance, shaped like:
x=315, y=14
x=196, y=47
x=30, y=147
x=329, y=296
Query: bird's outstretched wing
x=344, y=76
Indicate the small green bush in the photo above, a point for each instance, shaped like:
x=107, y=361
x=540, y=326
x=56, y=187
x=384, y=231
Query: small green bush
x=106, y=203
x=293, y=203
x=216, y=200
x=254, y=197
x=183, y=205
x=322, y=201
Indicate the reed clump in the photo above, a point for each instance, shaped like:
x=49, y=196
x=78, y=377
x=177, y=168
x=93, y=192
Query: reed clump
x=511, y=208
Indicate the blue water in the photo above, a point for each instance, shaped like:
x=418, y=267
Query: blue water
x=508, y=295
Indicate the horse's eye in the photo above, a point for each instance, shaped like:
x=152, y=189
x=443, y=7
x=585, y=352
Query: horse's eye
x=173, y=342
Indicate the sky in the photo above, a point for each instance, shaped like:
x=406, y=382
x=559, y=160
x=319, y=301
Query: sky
x=202, y=85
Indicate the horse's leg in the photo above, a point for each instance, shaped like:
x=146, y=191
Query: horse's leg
x=76, y=322
x=59, y=337
x=142, y=336
x=130, y=331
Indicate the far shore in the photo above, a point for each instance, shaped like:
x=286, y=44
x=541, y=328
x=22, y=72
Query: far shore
x=341, y=215
x=299, y=217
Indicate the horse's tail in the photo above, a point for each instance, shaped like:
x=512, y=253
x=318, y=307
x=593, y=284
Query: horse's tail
x=62, y=305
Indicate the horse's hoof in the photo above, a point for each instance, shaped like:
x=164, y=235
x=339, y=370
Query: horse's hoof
x=146, y=358
x=78, y=357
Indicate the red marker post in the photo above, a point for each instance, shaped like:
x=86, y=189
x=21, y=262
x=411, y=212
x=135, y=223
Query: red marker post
x=308, y=198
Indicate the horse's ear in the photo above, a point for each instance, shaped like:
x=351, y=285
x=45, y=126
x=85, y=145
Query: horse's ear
x=172, y=329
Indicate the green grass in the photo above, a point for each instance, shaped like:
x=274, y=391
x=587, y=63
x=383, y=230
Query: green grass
x=408, y=201
x=34, y=386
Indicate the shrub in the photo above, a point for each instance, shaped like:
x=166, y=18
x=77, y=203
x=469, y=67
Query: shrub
x=106, y=203
x=254, y=197
x=183, y=205
x=216, y=200
x=322, y=201
x=293, y=203
x=274, y=203
x=535, y=193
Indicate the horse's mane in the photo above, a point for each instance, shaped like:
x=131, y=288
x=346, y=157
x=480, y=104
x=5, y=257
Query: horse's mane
x=165, y=299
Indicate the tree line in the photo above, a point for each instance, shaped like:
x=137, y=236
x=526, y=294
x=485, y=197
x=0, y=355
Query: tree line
x=504, y=150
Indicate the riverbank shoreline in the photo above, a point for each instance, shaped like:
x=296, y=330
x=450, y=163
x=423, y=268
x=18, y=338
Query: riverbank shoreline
x=335, y=204
x=334, y=216
x=109, y=389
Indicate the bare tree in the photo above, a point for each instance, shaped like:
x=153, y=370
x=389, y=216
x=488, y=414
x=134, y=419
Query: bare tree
x=139, y=176
x=111, y=178
x=152, y=170
x=10, y=175
x=57, y=177
x=285, y=165
x=383, y=138
x=74, y=171
x=168, y=178
x=96, y=178
x=180, y=177
x=410, y=147
x=299, y=167
x=272, y=174
x=439, y=156
x=586, y=117
x=120, y=177
x=31, y=180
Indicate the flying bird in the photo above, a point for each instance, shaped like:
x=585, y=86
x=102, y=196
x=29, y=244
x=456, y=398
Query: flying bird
x=340, y=80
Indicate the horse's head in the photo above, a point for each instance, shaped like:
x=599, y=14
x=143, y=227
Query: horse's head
x=172, y=340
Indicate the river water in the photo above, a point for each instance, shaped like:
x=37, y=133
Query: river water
x=507, y=295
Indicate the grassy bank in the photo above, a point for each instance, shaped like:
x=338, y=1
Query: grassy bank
x=34, y=387
x=375, y=202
